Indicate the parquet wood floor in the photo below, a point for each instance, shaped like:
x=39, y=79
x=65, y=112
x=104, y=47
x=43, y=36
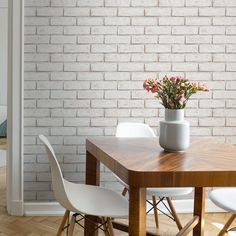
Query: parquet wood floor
x=47, y=226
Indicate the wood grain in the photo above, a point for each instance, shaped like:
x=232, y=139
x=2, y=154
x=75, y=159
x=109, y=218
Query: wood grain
x=141, y=162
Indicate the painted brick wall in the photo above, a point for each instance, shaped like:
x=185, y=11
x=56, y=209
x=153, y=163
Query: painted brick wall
x=85, y=61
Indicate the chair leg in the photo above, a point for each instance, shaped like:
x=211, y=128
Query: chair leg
x=110, y=227
x=105, y=228
x=177, y=221
x=226, y=226
x=72, y=226
x=125, y=190
x=64, y=219
x=154, y=201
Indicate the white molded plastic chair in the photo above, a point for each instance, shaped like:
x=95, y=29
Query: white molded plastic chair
x=225, y=198
x=142, y=130
x=84, y=199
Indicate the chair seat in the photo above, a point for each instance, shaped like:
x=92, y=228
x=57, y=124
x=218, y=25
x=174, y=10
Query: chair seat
x=94, y=200
x=168, y=192
x=225, y=198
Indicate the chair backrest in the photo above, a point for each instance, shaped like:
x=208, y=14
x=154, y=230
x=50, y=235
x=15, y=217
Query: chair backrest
x=57, y=177
x=132, y=130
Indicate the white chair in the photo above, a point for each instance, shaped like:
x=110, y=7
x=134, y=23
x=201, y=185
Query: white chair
x=84, y=199
x=142, y=130
x=225, y=198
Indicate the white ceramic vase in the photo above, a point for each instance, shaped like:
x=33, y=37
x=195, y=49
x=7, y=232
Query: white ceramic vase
x=174, y=131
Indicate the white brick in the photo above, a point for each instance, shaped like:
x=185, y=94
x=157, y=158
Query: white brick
x=49, y=103
x=212, y=30
x=231, y=103
x=117, y=94
x=224, y=3
x=76, y=30
x=63, y=3
x=128, y=11
x=50, y=67
x=130, y=48
x=103, y=103
x=198, y=3
x=76, y=48
x=130, y=67
x=144, y=3
x=211, y=11
x=90, y=94
x=224, y=112
x=104, y=67
x=231, y=67
x=89, y=76
x=224, y=58
x=63, y=39
x=49, y=122
x=209, y=48
x=171, y=57
x=103, y=85
x=117, y=76
x=36, y=3
x=89, y=21
x=131, y=30
x=158, y=48
x=90, y=112
x=198, y=112
x=63, y=76
x=76, y=66
x=224, y=94
x=49, y=48
x=117, y=21
x=117, y=112
x=63, y=130
x=158, y=30
x=85, y=39
x=230, y=122
x=90, y=3
x=141, y=112
x=49, y=11
x=171, y=21
x=131, y=104
x=184, y=48
x=171, y=39
x=63, y=57
x=76, y=103
x=63, y=94
x=184, y=30
x=36, y=21
x=103, y=11
x=63, y=113
x=224, y=131
x=117, y=3
x=224, y=21
x=36, y=57
x=157, y=67
x=117, y=39
x=76, y=11
x=171, y=3
x=211, y=67
x=144, y=21
x=76, y=121
x=198, y=57
x=49, y=85
x=103, y=122
x=184, y=11
x=103, y=48
x=63, y=21
x=185, y=67
x=30, y=30
x=75, y=85
x=231, y=11
x=212, y=121
x=144, y=39
x=36, y=94
x=88, y=131
x=103, y=30
x=49, y=30
x=144, y=57
x=36, y=39
x=200, y=39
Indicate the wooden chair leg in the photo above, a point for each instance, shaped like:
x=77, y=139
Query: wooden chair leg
x=64, y=219
x=177, y=221
x=110, y=227
x=105, y=228
x=154, y=201
x=72, y=226
x=125, y=190
x=227, y=225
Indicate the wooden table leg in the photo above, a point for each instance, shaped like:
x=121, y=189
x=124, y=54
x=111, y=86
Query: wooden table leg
x=92, y=178
x=137, y=211
x=199, y=210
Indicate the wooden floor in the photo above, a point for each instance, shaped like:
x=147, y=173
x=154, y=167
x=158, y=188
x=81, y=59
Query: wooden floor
x=3, y=143
x=45, y=226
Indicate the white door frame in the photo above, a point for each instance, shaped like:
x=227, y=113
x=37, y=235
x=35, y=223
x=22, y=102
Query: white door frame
x=15, y=199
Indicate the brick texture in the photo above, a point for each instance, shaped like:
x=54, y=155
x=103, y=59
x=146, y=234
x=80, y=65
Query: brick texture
x=85, y=61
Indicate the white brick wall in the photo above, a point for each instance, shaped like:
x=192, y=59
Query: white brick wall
x=85, y=61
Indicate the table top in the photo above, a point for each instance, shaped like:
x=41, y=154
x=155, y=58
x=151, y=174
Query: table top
x=142, y=162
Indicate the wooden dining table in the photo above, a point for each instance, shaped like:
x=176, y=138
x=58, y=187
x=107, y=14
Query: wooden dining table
x=141, y=163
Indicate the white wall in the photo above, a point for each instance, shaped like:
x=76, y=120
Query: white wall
x=3, y=52
x=86, y=60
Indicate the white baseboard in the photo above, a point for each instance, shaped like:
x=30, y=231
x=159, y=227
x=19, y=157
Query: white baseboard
x=55, y=209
